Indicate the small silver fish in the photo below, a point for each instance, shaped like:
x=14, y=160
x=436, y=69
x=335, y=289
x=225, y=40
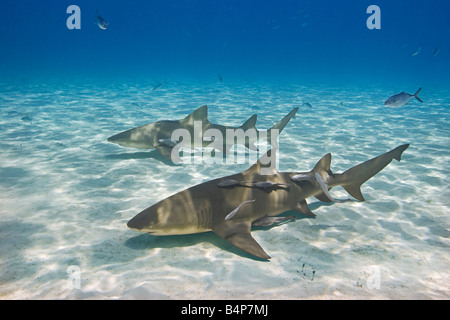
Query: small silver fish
x=402, y=98
x=268, y=221
x=436, y=51
x=307, y=104
x=168, y=142
x=416, y=52
x=324, y=186
x=233, y=213
x=303, y=177
x=101, y=22
x=159, y=85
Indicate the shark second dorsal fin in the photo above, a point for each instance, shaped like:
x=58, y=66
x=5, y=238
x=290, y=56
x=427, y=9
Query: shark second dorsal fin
x=323, y=165
x=200, y=114
x=265, y=165
x=250, y=123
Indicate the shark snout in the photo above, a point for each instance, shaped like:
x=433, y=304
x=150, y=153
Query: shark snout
x=134, y=224
x=144, y=221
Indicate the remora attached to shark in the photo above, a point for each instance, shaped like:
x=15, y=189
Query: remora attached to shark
x=231, y=205
x=201, y=133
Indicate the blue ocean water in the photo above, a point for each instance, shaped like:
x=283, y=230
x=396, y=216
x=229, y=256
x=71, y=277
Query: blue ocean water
x=66, y=194
x=286, y=40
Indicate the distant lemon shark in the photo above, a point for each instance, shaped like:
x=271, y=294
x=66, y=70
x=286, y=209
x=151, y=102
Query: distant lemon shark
x=231, y=205
x=197, y=131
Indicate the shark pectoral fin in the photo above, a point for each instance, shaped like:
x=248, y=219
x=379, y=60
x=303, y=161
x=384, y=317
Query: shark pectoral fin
x=323, y=197
x=238, y=234
x=302, y=207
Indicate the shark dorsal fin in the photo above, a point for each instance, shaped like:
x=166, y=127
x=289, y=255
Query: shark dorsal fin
x=250, y=123
x=200, y=114
x=324, y=164
x=266, y=165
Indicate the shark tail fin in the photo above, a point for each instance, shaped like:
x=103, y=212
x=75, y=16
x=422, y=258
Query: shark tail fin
x=416, y=95
x=352, y=179
x=280, y=125
x=250, y=124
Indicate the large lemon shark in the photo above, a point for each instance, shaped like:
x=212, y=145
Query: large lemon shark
x=231, y=205
x=197, y=131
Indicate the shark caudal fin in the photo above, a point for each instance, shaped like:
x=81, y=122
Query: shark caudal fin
x=352, y=179
x=416, y=95
x=280, y=125
x=283, y=122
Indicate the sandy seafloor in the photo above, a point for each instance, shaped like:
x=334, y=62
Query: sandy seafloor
x=66, y=194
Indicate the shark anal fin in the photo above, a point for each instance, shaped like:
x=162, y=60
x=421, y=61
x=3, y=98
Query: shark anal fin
x=238, y=234
x=302, y=207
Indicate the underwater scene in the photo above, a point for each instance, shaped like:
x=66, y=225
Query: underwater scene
x=194, y=149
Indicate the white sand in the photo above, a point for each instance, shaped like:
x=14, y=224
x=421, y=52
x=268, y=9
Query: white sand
x=66, y=195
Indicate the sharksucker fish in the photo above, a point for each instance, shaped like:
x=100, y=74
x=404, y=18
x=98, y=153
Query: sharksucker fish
x=200, y=133
x=204, y=207
x=402, y=98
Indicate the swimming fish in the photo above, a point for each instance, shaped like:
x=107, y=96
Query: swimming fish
x=27, y=118
x=436, y=51
x=307, y=104
x=101, y=22
x=402, y=98
x=159, y=85
x=417, y=51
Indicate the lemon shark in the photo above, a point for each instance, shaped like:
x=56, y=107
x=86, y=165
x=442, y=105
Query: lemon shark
x=231, y=205
x=197, y=131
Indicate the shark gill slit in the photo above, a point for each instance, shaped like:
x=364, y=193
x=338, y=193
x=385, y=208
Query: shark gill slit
x=203, y=221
